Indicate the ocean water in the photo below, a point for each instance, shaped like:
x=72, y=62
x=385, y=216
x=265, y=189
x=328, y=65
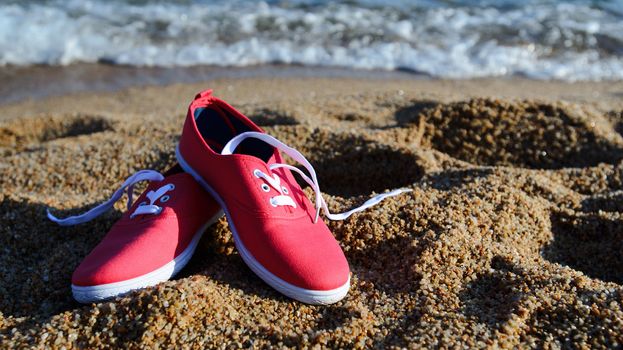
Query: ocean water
x=575, y=40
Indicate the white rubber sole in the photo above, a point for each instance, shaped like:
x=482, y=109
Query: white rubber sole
x=308, y=296
x=89, y=294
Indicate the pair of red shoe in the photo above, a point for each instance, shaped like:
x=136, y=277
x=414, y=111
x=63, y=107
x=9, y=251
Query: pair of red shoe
x=226, y=163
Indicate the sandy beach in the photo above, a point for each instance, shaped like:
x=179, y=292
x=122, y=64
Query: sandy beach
x=511, y=237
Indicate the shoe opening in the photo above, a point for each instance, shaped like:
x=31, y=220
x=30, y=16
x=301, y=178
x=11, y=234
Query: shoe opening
x=219, y=125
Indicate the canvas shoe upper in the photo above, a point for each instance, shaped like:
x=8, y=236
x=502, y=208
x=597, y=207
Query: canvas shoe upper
x=151, y=242
x=275, y=227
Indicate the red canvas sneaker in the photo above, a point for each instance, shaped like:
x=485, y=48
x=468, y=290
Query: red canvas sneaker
x=151, y=242
x=275, y=227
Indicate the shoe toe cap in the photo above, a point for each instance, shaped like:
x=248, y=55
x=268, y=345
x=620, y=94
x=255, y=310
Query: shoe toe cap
x=122, y=256
x=305, y=255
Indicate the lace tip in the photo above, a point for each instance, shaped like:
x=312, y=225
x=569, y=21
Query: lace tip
x=398, y=191
x=50, y=216
x=54, y=219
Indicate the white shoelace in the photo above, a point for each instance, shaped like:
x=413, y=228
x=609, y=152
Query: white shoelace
x=143, y=209
x=283, y=199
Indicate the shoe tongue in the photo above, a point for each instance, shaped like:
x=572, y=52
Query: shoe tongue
x=258, y=149
x=274, y=158
x=248, y=145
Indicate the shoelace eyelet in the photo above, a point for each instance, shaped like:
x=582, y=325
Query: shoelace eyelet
x=265, y=187
x=165, y=198
x=257, y=173
x=171, y=187
x=142, y=203
x=284, y=189
x=273, y=203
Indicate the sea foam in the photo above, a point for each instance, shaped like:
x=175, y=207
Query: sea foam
x=539, y=39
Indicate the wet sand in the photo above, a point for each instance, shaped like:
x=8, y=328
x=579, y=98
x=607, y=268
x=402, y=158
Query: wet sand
x=36, y=82
x=511, y=237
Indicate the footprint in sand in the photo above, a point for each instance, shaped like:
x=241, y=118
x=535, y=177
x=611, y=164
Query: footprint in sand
x=20, y=133
x=522, y=134
x=588, y=242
